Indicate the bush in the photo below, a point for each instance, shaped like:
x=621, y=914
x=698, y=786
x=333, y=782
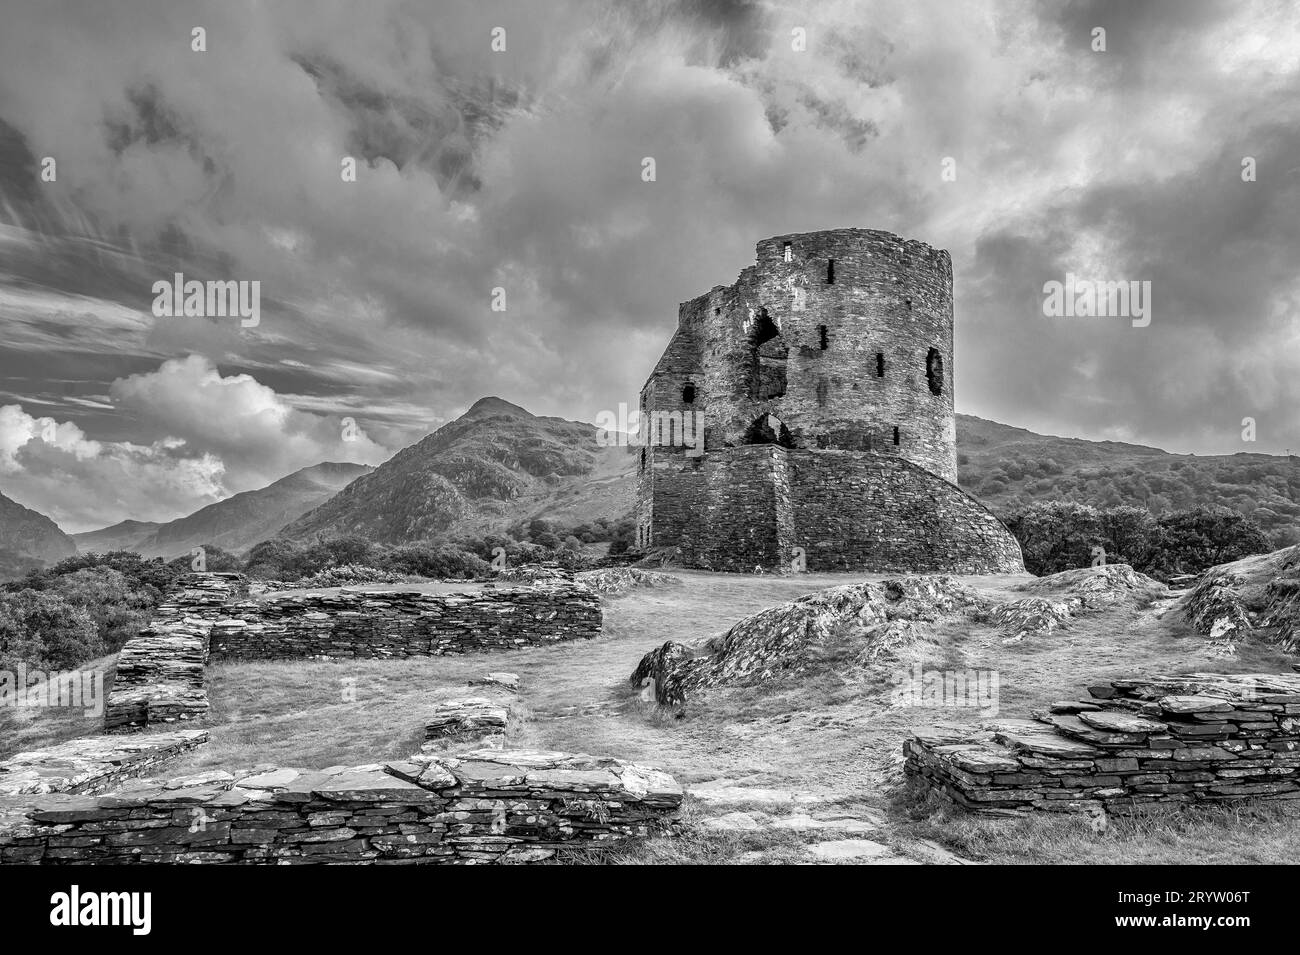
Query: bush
x=1202, y=537
x=119, y=611
x=427, y=559
x=1056, y=535
x=43, y=630
x=1059, y=535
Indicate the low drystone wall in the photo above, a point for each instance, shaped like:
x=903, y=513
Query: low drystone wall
x=160, y=672
x=1201, y=737
x=355, y=623
x=481, y=807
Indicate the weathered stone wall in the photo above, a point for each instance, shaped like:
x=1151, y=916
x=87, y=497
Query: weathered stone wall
x=1164, y=740
x=354, y=623
x=799, y=355
x=481, y=807
x=159, y=672
x=846, y=510
x=853, y=510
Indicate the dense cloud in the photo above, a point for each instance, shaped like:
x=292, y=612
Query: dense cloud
x=521, y=169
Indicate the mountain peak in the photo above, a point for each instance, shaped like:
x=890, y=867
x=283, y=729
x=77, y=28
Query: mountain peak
x=494, y=405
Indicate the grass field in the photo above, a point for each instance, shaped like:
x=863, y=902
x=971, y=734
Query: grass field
x=825, y=742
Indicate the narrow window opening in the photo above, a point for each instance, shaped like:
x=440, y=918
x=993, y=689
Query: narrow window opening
x=821, y=334
x=830, y=271
x=643, y=459
x=880, y=364
x=908, y=301
x=787, y=251
x=934, y=371
x=688, y=394
x=895, y=434
x=717, y=311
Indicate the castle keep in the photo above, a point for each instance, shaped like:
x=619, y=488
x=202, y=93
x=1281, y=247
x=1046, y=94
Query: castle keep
x=823, y=381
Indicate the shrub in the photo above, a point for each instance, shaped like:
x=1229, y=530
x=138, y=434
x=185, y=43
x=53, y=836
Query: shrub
x=43, y=630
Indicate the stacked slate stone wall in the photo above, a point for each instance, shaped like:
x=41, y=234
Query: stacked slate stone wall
x=853, y=510
x=481, y=807
x=380, y=624
x=159, y=672
x=1137, y=743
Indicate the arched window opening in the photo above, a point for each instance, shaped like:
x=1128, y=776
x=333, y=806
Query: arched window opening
x=764, y=328
x=934, y=371
x=688, y=394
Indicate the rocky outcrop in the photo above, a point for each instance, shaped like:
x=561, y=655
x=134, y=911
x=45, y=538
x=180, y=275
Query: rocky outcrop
x=864, y=622
x=1256, y=596
x=481, y=807
x=617, y=581
x=1193, y=738
x=1055, y=599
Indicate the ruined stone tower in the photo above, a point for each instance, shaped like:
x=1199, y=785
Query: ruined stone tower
x=822, y=380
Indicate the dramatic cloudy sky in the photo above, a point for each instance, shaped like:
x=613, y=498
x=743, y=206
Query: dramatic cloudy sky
x=521, y=169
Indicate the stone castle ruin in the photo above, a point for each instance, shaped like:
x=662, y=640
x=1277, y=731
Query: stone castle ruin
x=822, y=383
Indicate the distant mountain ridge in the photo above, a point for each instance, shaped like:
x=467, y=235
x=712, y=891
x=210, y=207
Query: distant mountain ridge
x=236, y=523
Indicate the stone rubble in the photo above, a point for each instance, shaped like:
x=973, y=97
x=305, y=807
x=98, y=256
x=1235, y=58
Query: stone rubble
x=1199, y=737
x=456, y=722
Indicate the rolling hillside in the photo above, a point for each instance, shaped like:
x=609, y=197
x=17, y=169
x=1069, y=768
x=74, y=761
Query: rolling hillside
x=494, y=465
x=1006, y=467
